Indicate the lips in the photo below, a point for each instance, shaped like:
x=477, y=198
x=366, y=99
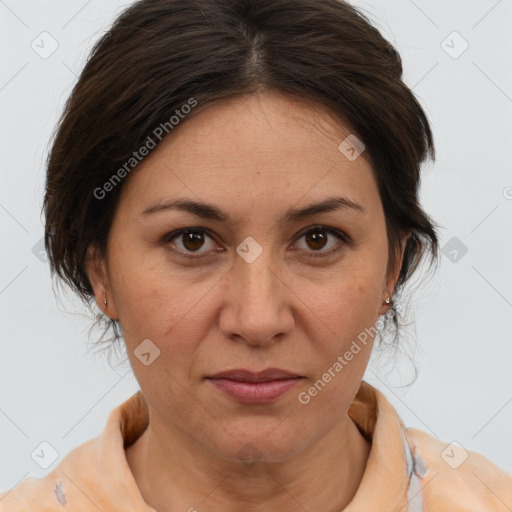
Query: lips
x=255, y=387
x=242, y=375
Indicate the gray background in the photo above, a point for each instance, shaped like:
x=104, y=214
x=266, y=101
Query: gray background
x=54, y=390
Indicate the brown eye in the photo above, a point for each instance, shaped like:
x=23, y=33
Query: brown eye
x=190, y=241
x=317, y=239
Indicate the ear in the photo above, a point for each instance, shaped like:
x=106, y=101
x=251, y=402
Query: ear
x=393, y=276
x=97, y=272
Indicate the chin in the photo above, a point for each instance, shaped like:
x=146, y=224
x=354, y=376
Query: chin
x=251, y=449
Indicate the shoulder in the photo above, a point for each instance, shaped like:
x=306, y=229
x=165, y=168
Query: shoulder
x=47, y=494
x=95, y=470
x=459, y=479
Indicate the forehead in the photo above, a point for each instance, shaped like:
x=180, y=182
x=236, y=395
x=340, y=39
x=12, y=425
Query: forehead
x=265, y=124
x=254, y=150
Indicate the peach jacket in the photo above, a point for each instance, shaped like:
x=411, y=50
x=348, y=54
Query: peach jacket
x=408, y=470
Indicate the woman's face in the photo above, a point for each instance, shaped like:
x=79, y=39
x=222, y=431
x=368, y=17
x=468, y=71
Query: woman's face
x=255, y=286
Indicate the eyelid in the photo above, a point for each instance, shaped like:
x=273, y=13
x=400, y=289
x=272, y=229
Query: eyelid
x=341, y=235
x=175, y=234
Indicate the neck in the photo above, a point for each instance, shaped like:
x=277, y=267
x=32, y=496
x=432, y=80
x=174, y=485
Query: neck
x=173, y=472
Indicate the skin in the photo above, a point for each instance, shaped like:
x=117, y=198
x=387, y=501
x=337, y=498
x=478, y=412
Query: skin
x=255, y=157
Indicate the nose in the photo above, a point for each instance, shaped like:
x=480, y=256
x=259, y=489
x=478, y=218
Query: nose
x=257, y=307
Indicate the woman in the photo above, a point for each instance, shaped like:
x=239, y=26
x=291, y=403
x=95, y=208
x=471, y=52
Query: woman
x=235, y=185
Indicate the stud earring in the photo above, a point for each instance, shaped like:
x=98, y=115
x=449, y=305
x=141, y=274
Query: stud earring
x=388, y=300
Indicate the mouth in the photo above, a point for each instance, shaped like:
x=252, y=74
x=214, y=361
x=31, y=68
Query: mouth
x=261, y=387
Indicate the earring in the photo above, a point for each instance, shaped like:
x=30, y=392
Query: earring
x=105, y=302
x=388, y=300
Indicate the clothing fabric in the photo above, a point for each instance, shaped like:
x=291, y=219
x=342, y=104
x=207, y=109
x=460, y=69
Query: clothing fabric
x=408, y=470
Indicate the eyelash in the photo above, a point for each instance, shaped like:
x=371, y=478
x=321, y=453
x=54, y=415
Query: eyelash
x=343, y=237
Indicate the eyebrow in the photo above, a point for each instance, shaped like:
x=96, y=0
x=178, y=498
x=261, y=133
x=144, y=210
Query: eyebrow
x=209, y=211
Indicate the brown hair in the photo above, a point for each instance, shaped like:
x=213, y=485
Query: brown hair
x=160, y=54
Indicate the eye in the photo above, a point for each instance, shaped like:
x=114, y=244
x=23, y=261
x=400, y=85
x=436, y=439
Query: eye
x=191, y=241
x=316, y=238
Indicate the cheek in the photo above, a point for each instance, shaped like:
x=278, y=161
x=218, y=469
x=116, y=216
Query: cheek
x=340, y=358
x=348, y=308
x=352, y=300
x=168, y=308
x=142, y=296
